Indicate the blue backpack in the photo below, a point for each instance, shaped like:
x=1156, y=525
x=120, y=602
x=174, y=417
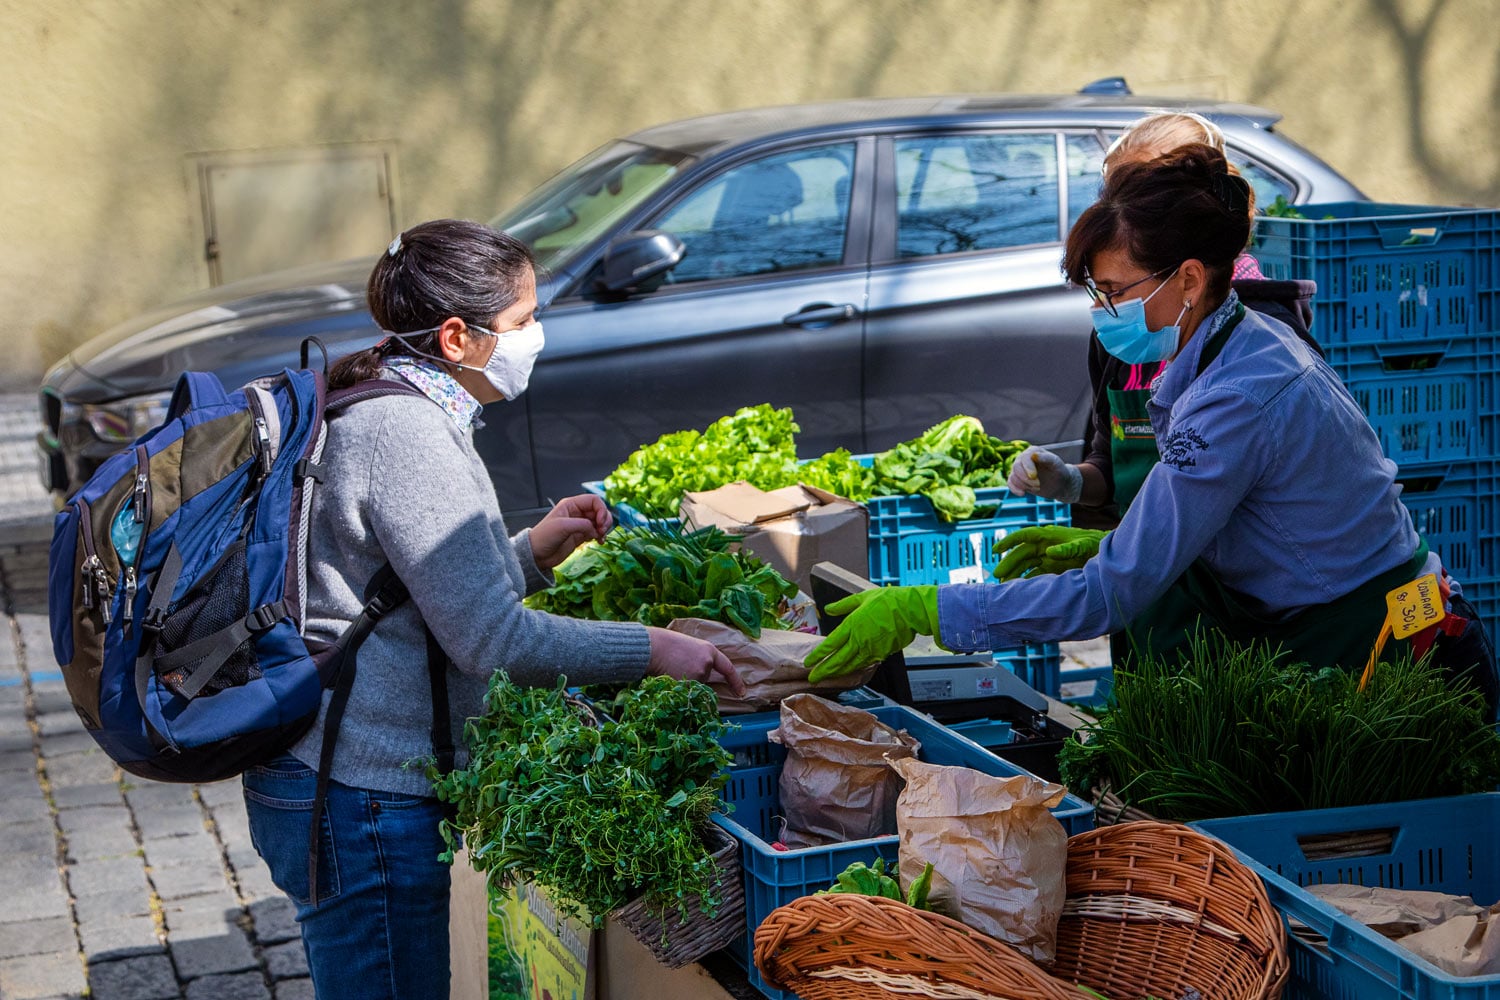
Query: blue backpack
x=177, y=585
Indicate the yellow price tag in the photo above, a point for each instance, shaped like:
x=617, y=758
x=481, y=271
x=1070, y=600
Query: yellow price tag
x=1415, y=606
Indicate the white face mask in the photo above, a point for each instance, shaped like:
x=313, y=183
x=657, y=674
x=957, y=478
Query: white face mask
x=511, y=359
x=510, y=363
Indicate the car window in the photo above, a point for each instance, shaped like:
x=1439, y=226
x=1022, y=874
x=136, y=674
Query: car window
x=958, y=193
x=1085, y=166
x=787, y=212
x=1267, y=183
x=568, y=212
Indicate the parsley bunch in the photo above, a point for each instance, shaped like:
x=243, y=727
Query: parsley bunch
x=595, y=811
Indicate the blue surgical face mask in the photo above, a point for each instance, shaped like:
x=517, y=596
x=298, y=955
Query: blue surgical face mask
x=1127, y=336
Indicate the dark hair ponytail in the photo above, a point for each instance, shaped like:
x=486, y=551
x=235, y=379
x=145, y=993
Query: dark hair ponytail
x=1187, y=204
x=434, y=270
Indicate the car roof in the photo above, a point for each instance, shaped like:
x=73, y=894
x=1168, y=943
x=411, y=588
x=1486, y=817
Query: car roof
x=710, y=133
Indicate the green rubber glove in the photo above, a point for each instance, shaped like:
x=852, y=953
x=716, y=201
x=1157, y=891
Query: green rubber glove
x=879, y=622
x=1045, y=549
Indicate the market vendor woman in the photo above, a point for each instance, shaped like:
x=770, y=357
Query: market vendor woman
x=1272, y=513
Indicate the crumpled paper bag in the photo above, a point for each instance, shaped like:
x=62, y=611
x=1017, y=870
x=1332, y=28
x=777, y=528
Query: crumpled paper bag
x=836, y=785
x=999, y=857
x=770, y=666
x=1452, y=932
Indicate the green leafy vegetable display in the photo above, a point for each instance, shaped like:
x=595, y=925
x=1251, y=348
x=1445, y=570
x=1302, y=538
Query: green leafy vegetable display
x=1283, y=209
x=754, y=444
x=876, y=880
x=596, y=812
x=1239, y=729
x=653, y=575
x=946, y=464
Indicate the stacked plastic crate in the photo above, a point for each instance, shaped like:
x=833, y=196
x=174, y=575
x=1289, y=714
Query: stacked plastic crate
x=1406, y=312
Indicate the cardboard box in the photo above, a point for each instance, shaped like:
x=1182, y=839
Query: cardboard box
x=791, y=528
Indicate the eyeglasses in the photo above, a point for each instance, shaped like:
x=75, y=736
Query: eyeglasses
x=1106, y=300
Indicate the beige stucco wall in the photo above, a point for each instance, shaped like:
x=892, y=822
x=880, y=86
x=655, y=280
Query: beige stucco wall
x=106, y=101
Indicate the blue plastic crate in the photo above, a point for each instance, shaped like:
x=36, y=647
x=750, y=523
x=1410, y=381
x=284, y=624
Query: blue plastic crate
x=1388, y=272
x=1441, y=845
x=909, y=544
x=1440, y=417
x=1457, y=507
x=775, y=878
x=627, y=515
x=1039, y=664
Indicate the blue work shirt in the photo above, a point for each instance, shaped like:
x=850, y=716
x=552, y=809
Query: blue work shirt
x=1269, y=473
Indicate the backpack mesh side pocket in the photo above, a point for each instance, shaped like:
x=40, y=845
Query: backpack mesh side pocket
x=219, y=600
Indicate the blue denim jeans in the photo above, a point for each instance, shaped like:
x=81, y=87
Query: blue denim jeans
x=380, y=929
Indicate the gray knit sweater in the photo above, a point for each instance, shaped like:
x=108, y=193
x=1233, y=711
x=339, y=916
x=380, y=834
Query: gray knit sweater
x=403, y=483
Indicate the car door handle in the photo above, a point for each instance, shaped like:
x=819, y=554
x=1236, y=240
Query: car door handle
x=820, y=313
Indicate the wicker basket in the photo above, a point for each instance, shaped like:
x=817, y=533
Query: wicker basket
x=841, y=946
x=675, y=941
x=1157, y=909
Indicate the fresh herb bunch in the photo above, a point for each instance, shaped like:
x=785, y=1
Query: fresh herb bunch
x=946, y=465
x=653, y=575
x=755, y=444
x=594, y=811
x=1239, y=729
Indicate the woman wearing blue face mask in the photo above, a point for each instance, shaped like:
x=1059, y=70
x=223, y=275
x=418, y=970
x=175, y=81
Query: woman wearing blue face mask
x=401, y=484
x=1272, y=513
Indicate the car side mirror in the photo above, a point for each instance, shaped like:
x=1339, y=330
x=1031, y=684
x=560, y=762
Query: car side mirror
x=638, y=260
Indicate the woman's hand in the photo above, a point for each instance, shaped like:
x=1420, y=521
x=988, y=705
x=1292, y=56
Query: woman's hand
x=568, y=525
x=691, y=659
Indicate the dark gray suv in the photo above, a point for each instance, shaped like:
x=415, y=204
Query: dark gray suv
x=877, y=265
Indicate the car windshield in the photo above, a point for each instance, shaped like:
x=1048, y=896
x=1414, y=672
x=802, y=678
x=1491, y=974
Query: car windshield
x=564, y=215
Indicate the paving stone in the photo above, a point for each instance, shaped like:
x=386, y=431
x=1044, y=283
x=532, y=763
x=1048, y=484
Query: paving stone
x=36, y=904
x=27, y=808
x=111, y=815
x=52, y=698
x=109, y=875
x=206, y=956
x=19, y=783
x=148, y=796
x=243, y=857
x=119, y=937
x=245, y=986
x=202, y=916
x=21, y=872
x=255, y=884
x=33, y=976
x=101, y=843
x=120, y=903
x=286, y=961
x=60, y=723
x=220, y=792
x=63, y=744
x=86, y=796
x=149, y=977
x=180, y=881
x=30, y=836
x=34, y=937
x=13, y=737
x=177, y=821
x=17, y=760
x=295, y=989
x=90, y=768
x=275, y=920
x=197, y=849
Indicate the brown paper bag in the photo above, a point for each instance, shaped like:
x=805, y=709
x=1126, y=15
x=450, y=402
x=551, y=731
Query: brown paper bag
x=999, y=857
x=1394, y=912
x=770, y=666
x=836, y=785
x=1467, y=945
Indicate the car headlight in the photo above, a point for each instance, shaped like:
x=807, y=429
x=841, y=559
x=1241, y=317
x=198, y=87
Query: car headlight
x=124, y=420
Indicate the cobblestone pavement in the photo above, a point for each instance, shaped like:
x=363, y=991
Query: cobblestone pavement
x=111, y=887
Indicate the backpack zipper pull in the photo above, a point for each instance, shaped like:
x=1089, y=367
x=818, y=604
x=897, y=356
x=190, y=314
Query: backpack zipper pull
x=86, y=571
x=101, y=580
x=139, y=503
x=263, y=437
x=126, y=611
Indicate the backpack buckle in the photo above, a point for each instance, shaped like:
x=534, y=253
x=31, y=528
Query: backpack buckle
x=264, y=617
x=154, y=619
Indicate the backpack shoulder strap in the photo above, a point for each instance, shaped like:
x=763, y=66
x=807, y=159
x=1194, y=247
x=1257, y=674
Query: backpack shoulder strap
x=370, y=388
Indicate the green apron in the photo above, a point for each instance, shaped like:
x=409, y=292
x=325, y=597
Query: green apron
x=1132, y=443
x=1339, y=633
